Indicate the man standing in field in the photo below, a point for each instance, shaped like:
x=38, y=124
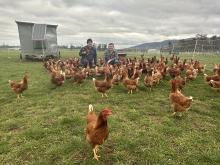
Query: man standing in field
x=88, y=54
x=111, y=55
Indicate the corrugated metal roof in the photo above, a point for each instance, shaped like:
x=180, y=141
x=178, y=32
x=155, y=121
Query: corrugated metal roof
x=39, y=31
x=22, y=22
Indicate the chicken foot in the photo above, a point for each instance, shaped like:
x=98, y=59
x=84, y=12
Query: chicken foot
x=104, y=95
x=95, y=150
x=18, y=96
x=130, y=92
x=173, y=113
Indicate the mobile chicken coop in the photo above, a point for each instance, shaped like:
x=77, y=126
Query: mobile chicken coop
x=37, y=41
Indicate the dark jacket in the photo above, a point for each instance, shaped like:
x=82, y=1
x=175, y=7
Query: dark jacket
x=88, y=55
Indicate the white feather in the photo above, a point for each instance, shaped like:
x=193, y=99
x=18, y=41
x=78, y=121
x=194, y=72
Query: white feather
x=90, y=108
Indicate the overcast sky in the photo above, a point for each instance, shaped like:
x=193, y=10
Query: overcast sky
x=124, y=22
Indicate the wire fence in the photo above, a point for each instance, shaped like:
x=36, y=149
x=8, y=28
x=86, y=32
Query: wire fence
x=194, y=46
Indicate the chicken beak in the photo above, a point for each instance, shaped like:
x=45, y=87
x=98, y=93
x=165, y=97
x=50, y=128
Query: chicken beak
x=109, y=113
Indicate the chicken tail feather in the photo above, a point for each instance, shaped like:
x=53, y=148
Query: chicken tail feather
x=90, y=108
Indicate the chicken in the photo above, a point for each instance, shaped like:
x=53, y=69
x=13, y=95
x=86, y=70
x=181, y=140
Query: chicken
x=216, y=67
x=103, y=86
x=157, y=76
x=90, y=71
x=57, y=77
x=148, y=80
x=101, y=61
x=179, y=102
x=80, y=76
x=164, y=71
x=130, y=84
x=97, y=131
x=214, y=77
x=174, y=71
x=69, y=73
x=19, y=87
x=199, y=66
x=215, y=85
x=129, y=68
x=191, y=74
x=182, y=66
x=137, y=73
x=116, y=78
x=180, y=82
x=99, y=71
x=172, y=57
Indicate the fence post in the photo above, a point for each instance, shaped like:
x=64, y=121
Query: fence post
x=195, y=48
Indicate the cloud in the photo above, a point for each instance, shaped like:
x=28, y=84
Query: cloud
x=125, y=22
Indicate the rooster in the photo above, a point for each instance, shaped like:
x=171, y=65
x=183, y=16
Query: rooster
x=179, y=102
x=97, y=131
x=19, y=87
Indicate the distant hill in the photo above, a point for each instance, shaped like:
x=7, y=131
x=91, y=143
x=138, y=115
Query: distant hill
x=153, y=45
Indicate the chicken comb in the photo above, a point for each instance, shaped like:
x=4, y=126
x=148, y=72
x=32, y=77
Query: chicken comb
x=106, y=109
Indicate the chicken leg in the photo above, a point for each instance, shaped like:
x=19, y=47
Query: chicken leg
x=173, y=113
x=18, y=96
x=95, y=150
x=130, y=92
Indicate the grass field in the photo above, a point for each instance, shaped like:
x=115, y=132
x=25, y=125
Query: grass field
x=47, y=125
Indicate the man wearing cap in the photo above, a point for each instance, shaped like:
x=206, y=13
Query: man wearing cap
x=88, y=54
x=111, y=55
